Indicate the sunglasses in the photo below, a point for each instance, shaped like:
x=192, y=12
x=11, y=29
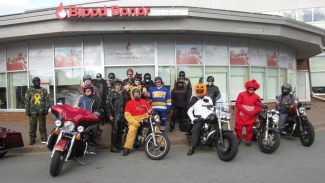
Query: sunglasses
x=252, y=89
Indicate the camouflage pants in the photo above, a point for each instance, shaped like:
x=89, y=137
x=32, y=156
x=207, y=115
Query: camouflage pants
x=33, y=127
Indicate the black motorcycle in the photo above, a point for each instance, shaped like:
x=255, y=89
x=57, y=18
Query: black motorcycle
x=215, y=133
x=156, y=144
x=265, y=130
x=297, y=124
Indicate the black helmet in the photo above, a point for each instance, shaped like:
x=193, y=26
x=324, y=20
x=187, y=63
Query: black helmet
x=88, y=87
x=147, y=76
x=117, y=80
x=180, y=80
x=210, y=79
x=286, y=86
x=98, y=75
x=111, y=75
x=36, y=79
x=158, y=79
x=86, y=77
x=181, y=73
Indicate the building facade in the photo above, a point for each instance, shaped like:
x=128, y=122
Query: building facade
x=62, y=44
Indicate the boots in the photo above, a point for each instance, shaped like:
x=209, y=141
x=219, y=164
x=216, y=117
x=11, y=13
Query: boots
x=172, y=126
x=126, y=152
x=190, y=151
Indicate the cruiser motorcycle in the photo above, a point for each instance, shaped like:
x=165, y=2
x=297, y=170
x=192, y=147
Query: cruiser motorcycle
x=156, y=143
x=298, y=125
x=9, y=139
x=77, y=130
x=215, y=132
x=265, y=130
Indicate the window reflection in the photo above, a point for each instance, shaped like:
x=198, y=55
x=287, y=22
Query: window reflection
x=304, y=15
x=318, y=14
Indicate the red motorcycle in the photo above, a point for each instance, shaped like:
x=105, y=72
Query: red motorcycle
x=9, y=139
x=77, y=130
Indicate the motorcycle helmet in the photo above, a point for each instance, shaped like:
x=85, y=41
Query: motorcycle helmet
x=111, y=76
x=147, y=77
x=98, y=75
x=286, y=86
x=36, y=79
x=88, y=87
x=200, y=90
x=129, y=72
x=210, y=79
x=181, y=74
x=86, y=77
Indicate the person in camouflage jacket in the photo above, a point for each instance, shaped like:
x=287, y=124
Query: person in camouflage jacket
x=37, y=106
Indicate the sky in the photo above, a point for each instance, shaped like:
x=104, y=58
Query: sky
x=18, y=6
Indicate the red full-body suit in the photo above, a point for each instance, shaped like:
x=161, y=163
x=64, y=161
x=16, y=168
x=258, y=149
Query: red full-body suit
x=248, y=106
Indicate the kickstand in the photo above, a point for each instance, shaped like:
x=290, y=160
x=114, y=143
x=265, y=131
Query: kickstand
x=80, y=162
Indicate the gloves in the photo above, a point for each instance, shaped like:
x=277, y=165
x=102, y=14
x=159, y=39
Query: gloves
x=28, y=112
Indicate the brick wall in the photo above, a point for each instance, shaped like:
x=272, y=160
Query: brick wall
x=19, y=117
x=302, y=65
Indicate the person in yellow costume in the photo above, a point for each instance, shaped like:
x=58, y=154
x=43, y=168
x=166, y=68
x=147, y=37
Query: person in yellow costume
x=135, y=111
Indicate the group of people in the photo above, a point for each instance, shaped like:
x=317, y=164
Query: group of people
x=130, y=101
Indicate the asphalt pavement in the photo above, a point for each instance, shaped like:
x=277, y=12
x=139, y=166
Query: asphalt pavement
x=177, y=138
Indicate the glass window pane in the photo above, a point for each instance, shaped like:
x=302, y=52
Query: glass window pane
x=272, y=54
x=289, y=14
x=216, y=51
x=3, y=91
x=40, y=54
x=283, y=77
x=319, y=14
x=317, y=64
x=17, y=83
x=220, y=75
x=304, y=15
x=93, y=72
x=166, y=49
x=238, y=51
x=129, y=50
x=47, y=82
x=92, y=51
x=257, y=50
x=258, y=73
x=189, y=50
x=315, y=79
x=17, y=56
x=283, y=56
x=68, y=52
x=238, y=76
x=3, y=66
x=272, y=83
x=120, y=72
x=167, y=73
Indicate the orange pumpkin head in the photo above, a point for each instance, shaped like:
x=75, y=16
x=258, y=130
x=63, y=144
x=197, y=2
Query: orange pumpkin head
x=200, y=90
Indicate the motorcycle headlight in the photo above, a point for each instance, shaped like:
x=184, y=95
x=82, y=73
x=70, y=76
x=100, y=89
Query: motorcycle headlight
x=302, y=110
x=80, y=128
x=228, y=116
x=223, y=115
x=157, y=118
x=58, y=123
x=275, y=118
x=68, y=126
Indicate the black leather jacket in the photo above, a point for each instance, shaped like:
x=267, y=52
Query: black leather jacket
x=115, y=102
x=213, y=92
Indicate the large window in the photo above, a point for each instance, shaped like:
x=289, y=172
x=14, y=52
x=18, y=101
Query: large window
x=317, y=71
x=304, y=15
x=120, y=72
x=166, y=49
x=318, y=14
x=3, y=91
x=238, y=76
x=189, y=50
x=68, y=82
x=167, y=73
x=220, y=75
x=92, y=51
x=3, y=66
x=40, y=54
x=272, y=86
x=17, y=87
x=68, y=52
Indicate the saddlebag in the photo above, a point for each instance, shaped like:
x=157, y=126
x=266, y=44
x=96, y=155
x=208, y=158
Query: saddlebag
x=10, y=138
x=185, y=125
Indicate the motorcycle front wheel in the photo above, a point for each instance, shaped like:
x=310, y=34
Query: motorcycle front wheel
x=160, y=150
x=227, y=150
x=307, y=135
x=57, y=163
x=271, y=144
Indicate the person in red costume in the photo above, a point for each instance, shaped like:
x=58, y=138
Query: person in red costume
x=249, y=105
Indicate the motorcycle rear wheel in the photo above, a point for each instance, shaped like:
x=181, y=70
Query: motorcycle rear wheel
x=2, y=154
x=57, y=163
x=160, y=150
x=307, y=135
x=273, y=143
x=228, y=150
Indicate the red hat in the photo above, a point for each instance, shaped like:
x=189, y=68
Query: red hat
x=252, y=84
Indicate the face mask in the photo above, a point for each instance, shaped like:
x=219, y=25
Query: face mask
x=147, y=80
x=136, y=96
x=210, y=83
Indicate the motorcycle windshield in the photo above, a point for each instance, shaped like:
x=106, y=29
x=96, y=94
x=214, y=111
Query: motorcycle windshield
x=85, y=103
x=223, y=110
